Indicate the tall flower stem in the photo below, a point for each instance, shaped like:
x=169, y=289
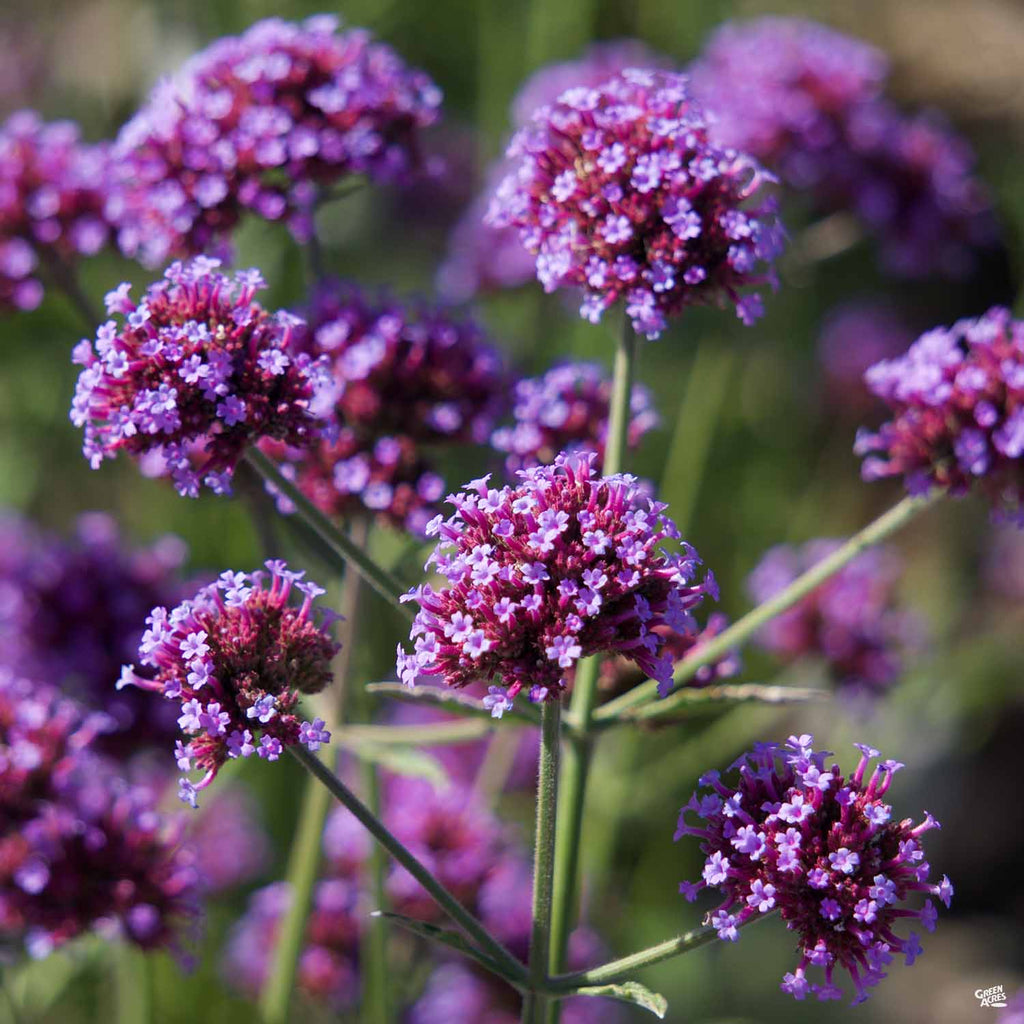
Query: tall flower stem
x=743, y=629
x=375, y=936
x=333, y=536
x=304, y=859
x=513, y=970
x=584, y=695
x=535, y=1004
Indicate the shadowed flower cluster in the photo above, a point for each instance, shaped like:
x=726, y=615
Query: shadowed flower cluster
x=262, y=122
x=806, y=101
x=237, y=657
x=793, y=835
x=195, y=360
x=562, y=566
x=80, y=849
x=72, y=612
x=52, y=196
x=851, y=621
x=566, y=409
x=957, y=402
x=402, y=375
x=619, y=191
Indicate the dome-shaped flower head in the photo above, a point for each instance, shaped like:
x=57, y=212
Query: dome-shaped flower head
x=71, y=612
x=80, y=848
x=806, y=101
x=567, y=409
x=791, y=834
x=484, y=258
x=957, y=403
x=619, y=192
x=564, y=565
x=237, y=657
x=853, y=620
x=196, y=359
x=261, y=122
x=52, y=192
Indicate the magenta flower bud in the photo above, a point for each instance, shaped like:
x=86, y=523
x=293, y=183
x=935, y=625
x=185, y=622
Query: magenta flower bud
x=52, y=194
x=957, y=404
x=261, y=122
x=791, y=834
x=196, y=370
x=516, y=603
x=567, y=409
x=618, y=190
x=237, y=657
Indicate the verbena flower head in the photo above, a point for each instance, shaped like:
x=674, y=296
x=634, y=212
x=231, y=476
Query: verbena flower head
x=484, y=258
x=71, y=612
x=195, y=360
x=806, y=101
x=237, y=657
x=52, y=193
x=564, y=565
x=791, y=834
x=565, y=409
x=80, y=849
x=620, y=192
x=957, y=404
x=261, y=122
x=852, y=621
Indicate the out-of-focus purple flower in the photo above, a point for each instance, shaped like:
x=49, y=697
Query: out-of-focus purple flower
x=237, y=657
x=853, y=337
x=957, y=403
x=229, y=843
x=80, y=849
x=196, y=360
x=400, y=375
x=618, y=191
x=72, y=612
x=852, y=620
x=262, y=122
x=52, y=193
x=483, y=258
x=793, y=835
x=562, y=566
x=806, y=101
x=567, y=409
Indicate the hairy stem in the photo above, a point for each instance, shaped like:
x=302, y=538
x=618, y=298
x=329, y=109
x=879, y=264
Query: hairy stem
x=743, y=629
x=375, y=937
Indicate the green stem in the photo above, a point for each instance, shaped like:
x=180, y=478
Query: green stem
x=584, y=694
x=431, y=734
x=743, y=629
x=132, y=997
x=340, y=544
x=516, y=972
x=534, y=1006
x=620, y=970
x=375, y=937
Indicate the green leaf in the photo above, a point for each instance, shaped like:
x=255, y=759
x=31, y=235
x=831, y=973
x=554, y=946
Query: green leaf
x=451, y=700
x=453, y=940
x=400, y=760
x=630, y=992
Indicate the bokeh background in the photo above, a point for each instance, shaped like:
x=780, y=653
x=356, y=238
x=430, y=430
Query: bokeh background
x=753, y=450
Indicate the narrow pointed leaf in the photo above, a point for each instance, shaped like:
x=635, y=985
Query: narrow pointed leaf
x=630, y=992
x=452, y=700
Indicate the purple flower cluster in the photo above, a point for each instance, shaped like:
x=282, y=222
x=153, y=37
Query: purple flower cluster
x=80, y=849
x=619, y=191
x=52, y=196
x=71, y=612
x=263, y=122
x=806, y=101
x=853, y=337
x=195, y=360
x=957, y=403
x=566, y=409
x=562, y=566
x=237, y=657
x=401, y=375
x=851, y=621
x=793, y=835
x=485, y=258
